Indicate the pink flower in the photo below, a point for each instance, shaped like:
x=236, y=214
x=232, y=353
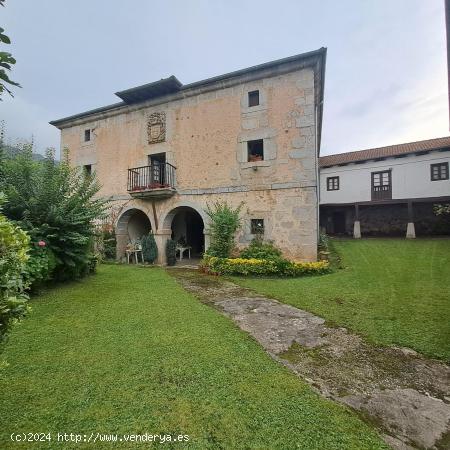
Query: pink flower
x=42, y=244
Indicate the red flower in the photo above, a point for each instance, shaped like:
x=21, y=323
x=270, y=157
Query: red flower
x=42, y=244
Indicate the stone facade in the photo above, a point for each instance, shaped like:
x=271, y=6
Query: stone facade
x=206, y=131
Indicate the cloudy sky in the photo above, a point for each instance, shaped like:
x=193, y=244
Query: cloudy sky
x=385, y=77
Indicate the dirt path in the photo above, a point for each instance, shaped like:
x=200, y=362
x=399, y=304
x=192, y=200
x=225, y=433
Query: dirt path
x=406, y=396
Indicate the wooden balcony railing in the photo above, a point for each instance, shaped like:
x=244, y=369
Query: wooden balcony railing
x=151, y=179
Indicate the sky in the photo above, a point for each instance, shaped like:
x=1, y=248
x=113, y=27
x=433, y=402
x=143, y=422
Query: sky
x=386, y=72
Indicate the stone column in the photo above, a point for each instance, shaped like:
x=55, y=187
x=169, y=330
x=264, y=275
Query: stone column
x=121, y=245
x=207, y=235
x=357, y=224
x=161, y=238
x=410, y=229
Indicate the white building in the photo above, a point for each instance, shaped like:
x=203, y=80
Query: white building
x=387, y=190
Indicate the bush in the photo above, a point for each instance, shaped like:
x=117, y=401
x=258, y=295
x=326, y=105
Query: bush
x=56, y=203
x=109, y=244
x=40, y=266
x=258, y=249
x=171, y=246
x=13, y=259
x=149, y=248
x=224, y=224
x=253, y=266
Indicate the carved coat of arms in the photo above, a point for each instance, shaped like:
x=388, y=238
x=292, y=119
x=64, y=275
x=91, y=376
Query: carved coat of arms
x=156, y=127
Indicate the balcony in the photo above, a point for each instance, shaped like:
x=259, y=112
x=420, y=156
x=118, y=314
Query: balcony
x=154, y=181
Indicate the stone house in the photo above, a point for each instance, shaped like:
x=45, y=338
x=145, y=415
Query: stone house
x=386, y=191
x=167, y=150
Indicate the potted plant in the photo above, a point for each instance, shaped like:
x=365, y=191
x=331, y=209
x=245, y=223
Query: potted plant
x=254, y=158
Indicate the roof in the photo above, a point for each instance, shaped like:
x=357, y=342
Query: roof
x=171, y=88
x=150, y=90
x=385, y=152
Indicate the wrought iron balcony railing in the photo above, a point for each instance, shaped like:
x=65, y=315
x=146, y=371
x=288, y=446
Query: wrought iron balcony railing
x=153, y=180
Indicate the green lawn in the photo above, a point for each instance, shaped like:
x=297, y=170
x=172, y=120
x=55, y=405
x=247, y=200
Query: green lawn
x=129, y=351
x=393, y=291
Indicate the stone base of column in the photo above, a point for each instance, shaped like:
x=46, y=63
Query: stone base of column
x=410, y=231
x=121, y=245
x=161, y=238
x=357, y=230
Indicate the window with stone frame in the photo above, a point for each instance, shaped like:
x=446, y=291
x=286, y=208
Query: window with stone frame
x=332, y=183
x=253, y=98
x=87, y=135
x=439, y=171
x=87, y=169
x=257, y=226
x=255, y=150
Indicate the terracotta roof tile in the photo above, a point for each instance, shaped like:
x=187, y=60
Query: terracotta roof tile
x=384, y=152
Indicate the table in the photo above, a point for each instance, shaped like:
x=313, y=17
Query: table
x=134, y=252
x=182, y=249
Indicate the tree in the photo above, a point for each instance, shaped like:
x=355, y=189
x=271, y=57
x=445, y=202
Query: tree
x=6, y=63
x=224, y=223
x=55, y=203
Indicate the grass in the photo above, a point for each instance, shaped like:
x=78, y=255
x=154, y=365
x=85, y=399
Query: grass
x=393, y=291
x=129, y=351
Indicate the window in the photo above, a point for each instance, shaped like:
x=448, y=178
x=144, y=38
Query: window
x=253, y=98
x=381, y=185
x=88, y=169
x=257, y=226
x=332, y=183
x=255, y=150
x=87, y=135
x=439, y=171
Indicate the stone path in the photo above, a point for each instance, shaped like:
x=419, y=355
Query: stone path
x=405, y=395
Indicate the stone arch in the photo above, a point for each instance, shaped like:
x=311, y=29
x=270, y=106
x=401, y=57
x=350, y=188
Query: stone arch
x=187, y=222
x=132, y=224
x=167, y=217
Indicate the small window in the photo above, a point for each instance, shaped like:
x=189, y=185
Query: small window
x=255, y=150
x=253, y=98
x=332, y=183
x=257, y=226
x=88, y=169
x=87, y=135
x=439, y=171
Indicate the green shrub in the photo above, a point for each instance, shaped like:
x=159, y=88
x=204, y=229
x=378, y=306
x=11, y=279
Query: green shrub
x=171, y=257
x=40, y=265
x=109, y=244
x=258, y=249
x=253, y=266
x=224, y=223
x=56, y=203
x=13, y=259
x=324, y=242
x=149, y=248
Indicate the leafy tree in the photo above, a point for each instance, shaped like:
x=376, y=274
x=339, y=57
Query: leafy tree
x=149, y=248
x=55, y=203
x=225, y=222
x=6, y=62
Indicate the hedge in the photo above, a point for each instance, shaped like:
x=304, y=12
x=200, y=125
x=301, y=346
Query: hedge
x=253, y=266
